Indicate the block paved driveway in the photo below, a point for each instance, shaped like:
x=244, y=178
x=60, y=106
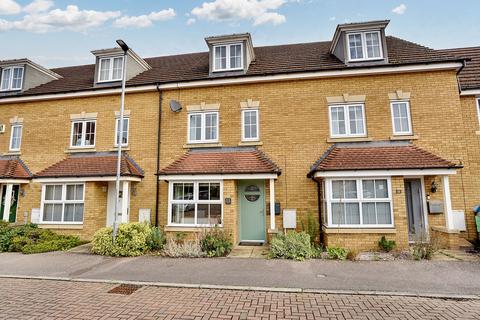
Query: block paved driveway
x=47, y=299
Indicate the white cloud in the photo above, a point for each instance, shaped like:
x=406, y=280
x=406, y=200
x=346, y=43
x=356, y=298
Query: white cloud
x=9, y=7
x=332, y=18
x=38, y=6
x=400, y=9
x=145, y=20
x=72, y=18
x=258, y=11
x=191, y=21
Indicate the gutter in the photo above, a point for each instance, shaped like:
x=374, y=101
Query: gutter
x=464, y=63
x=159, y=133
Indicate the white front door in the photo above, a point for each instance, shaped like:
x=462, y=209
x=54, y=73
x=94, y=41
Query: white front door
x=111, y=203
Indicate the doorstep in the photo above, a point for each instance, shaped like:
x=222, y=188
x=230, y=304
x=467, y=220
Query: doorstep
x=259, y=252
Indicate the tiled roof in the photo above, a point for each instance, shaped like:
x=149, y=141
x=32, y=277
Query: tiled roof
x=12, y=167
x=281, y=59
x=240, y=160
x=101, y=164
x=470, y=76
x=378, y=156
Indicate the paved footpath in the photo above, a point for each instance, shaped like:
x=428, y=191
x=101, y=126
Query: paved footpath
x=47, y=299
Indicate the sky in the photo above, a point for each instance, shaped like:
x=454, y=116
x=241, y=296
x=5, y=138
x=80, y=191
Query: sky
x=58, y=33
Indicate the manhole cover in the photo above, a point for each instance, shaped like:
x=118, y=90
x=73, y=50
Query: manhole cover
x=125, y=289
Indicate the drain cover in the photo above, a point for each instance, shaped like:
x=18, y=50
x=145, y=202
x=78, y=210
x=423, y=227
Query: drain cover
x=125, y=289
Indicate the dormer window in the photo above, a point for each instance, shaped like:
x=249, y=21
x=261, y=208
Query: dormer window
x=110, y=69
x=364, y=46
x=12, y=79
x=228, y=57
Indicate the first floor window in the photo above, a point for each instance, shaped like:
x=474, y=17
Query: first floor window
x=203, y=127
x=83, y=133
x=347, y=120
x=16, y=137
x=63, y=203
x=123, y=133
x=401, y=117
x=12, y=78
x=359, y=202
x=250, y=125
x=195, y=203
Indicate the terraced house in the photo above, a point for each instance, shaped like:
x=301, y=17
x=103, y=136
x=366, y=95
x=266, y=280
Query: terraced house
x=371, y=134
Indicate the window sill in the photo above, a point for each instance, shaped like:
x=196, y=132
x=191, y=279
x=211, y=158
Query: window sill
x=330, y=230
x=201, y=145
x=186, y=229
x=250, y=143
x=60, y=226
x=405, y=137
x=349, y=139
x=124, y=148
x=12, y=153
x=80, y=150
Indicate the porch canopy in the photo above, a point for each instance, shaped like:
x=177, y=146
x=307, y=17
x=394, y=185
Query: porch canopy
x=227, y=163
x=97, y=166
x=12, y=171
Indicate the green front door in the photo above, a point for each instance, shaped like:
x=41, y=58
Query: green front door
x=13, y=205
x=251, y=194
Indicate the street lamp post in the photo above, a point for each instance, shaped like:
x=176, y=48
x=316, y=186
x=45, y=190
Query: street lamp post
x=119, y=136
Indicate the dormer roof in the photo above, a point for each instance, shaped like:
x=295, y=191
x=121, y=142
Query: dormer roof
x=356, y=26
x=229, y=38
x=113, y=52
x=25, y=61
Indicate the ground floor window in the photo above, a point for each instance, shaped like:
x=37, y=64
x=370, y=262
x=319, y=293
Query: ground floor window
x=62, y=203
x=359, y=202
x=195, y=203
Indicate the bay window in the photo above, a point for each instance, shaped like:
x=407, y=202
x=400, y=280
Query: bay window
x=62, y=203
x=401, y=120
x=347, y=121
x=195, y=203
x=83, y=134
x=203, y=127
x=359, y=203
x=228, y=57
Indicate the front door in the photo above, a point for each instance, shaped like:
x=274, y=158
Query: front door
x=251, y=194
x=111, y=196
x=13, y=204
x=416, y=215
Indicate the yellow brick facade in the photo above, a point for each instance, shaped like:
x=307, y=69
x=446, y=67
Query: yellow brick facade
x=294, y=133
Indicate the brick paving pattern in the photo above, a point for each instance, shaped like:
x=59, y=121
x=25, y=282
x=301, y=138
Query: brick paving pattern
x=45, y=299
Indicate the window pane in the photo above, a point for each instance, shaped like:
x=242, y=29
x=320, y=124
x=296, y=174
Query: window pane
x=202, y=214
x=338, y=120
x=338, y=213
x=368, y=212
x=183, y=213
x=124, y=132
x=77, y=134
x=16, y=137
x=215, y=214
x=337, y=189
x=214, y=191
x=183, y=191
x=368, y=189
x=69, y=212
x=78, y=212
x=373, y=45
x=79, y=192
x=57, y=212
x=355, y=44
x=356, y=119
x=71, y=192
x=104, y=69
x=203, y=191
x=57, y=194
x=352, y=213
x=195, y=127
x=381, y=189
x=6, y=74
x=383, y=213
x=235, y=56
x=90, y=133
x=220, y=57
x=117, y=68
x=350, y=189
x=17, y=78
x=210, y=126
x=47, y=212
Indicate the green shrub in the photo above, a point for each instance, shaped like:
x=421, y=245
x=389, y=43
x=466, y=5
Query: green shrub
x=293, y=245
x=216, y=243
x=337, y=253
x=386, y=245
x=132, y=240
x=185, y=249
x=422, y=250
x=311, y=226
x=157, y=239
x=9, y=232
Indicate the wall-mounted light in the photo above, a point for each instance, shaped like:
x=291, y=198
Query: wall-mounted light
x=433, y=187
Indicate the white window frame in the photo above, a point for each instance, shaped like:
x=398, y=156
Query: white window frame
x=63, y=202
x=478, y=109
x=195, y=201
x=227, y=52
x=117, y=123
x=257, y=138
x=203, y=128
x=84, y=130
x=364, y=45
x=10, y=81
x=347, y=120
x=409, y=118
x=110, y=71
x=360, y=200
x=20, y=138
